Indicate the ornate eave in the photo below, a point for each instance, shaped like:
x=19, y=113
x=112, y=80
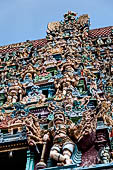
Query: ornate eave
x=102, y=167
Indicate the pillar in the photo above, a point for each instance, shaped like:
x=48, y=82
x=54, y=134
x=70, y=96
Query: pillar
x=30, y=161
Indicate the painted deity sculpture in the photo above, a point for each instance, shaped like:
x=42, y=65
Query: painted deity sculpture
x=61, y=140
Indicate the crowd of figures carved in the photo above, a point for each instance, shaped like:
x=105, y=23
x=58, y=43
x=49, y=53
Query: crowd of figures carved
x=62, y=93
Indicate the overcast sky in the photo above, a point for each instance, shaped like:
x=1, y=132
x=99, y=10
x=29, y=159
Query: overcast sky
x=22, y=20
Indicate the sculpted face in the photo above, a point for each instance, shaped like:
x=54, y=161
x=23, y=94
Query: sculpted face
x=58, y=118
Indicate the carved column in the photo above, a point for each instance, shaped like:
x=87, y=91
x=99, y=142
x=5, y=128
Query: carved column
x=30, y=161
x=50, y=92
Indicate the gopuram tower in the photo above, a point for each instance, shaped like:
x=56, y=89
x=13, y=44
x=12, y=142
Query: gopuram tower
x=56, y=99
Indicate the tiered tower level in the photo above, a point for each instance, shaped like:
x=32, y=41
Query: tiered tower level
x=56, y=98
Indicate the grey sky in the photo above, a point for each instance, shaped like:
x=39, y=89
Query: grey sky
x=22, y=20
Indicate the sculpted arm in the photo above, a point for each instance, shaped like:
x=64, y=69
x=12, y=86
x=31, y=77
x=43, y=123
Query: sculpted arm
x=46, y=136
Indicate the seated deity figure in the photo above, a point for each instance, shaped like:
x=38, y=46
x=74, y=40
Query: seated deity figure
x=63, y=146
